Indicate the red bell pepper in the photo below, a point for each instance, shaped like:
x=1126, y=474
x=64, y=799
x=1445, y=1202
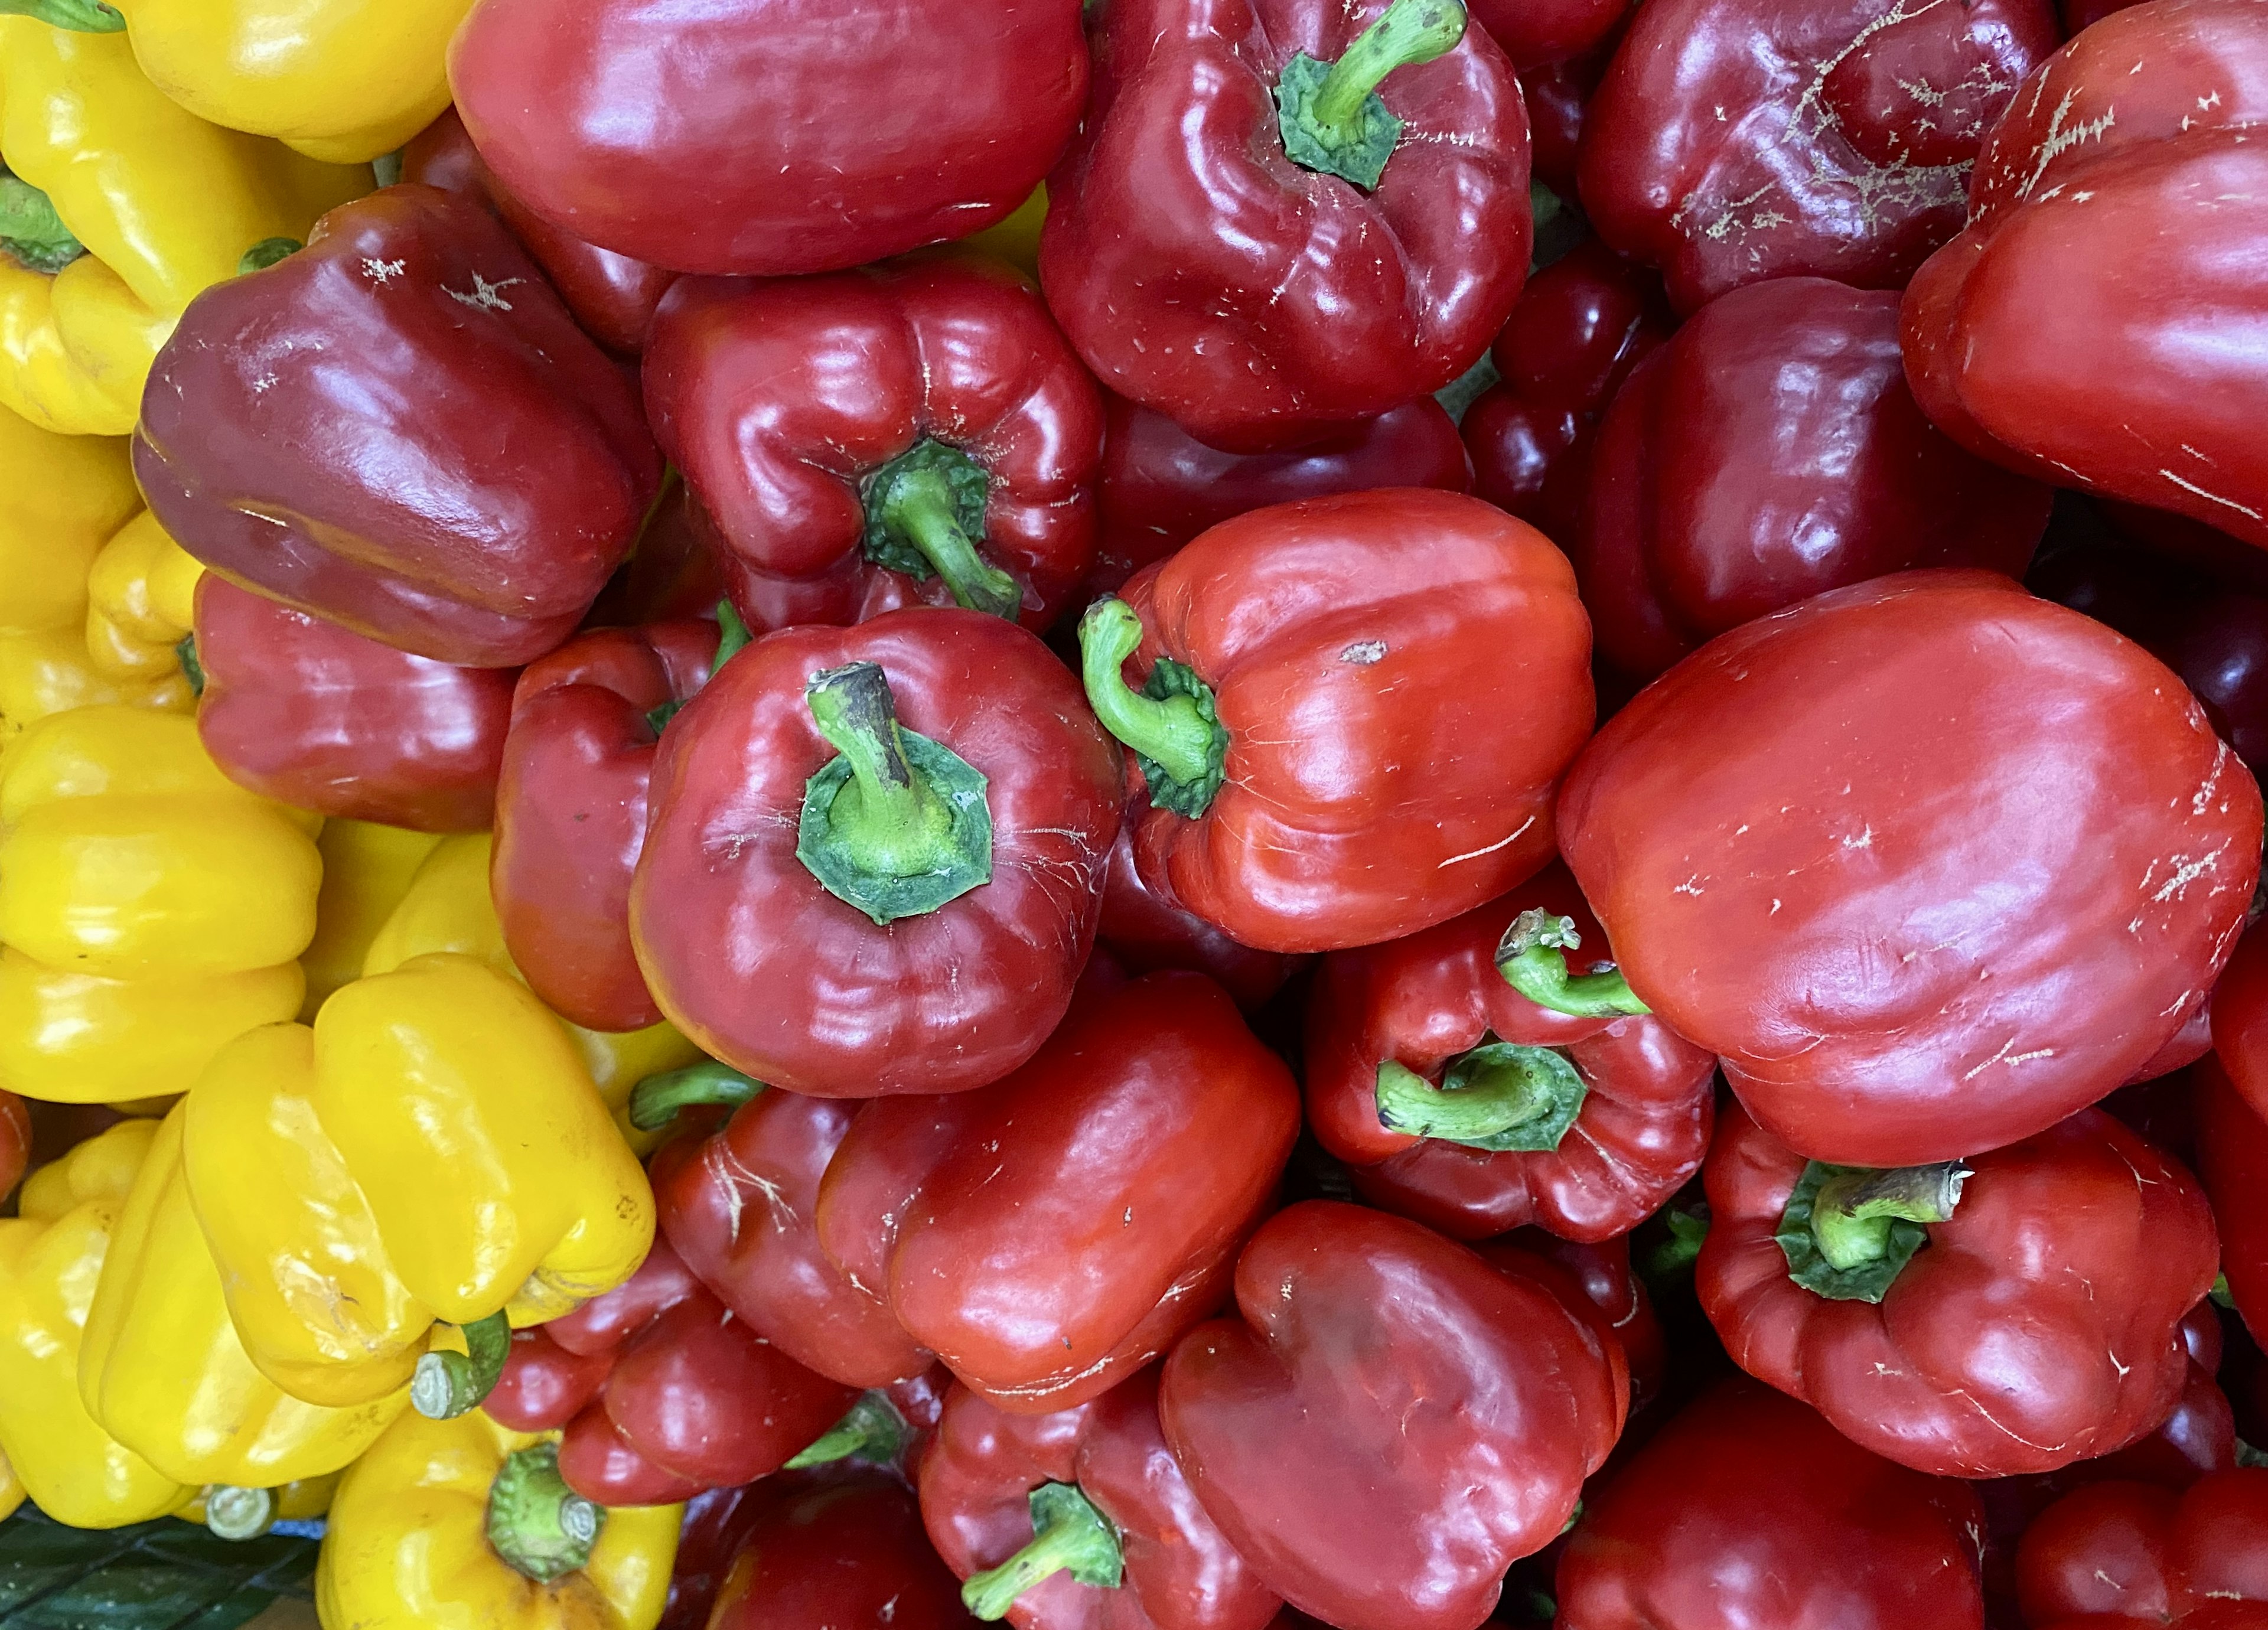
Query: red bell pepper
x=2119, y=1554
x=837, y=1551
x=571, y=809
x=1352, y=713
x=1149, y=933
x=15, y=1141
x=1747, y=1509
x=1557, y=95
x=2117, y=216
x=1050, y=1233
x=1928, y=863
x=1080, y=1519
x=1885, y=1299
x=1732, y=141
x=2240, y=1021
x=914, y=904
x=1458, y=1101
x=1770, y=452
x=401, y=429
x=312, y=714
x=2233, y=1160
x=1465, y=1400
x=674, y=571
x=1533, y=34
x=1262, y=276
x=959, y=471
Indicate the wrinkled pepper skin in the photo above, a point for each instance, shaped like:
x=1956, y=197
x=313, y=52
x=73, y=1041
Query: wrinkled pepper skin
x=2043, y=1238
x=1468, y=1400
x=1732, y=141
x=1749, y=1509
x=2233, y=1160
x=571, y=812
x=745, y=103
x=316, y=716
x=956, y=357
x=1180, y=1571
x=1041, y=1287
x=1402, y=675
x=61, y=497
x=1770, y=452
x=843, y=1550
x=2116, y=1555
x=1837, y=848
x=2117, y=213
x=502, y=466
x=1646, y=1096
x=1322, y=304
x=940, y=1001
x=1149, y=934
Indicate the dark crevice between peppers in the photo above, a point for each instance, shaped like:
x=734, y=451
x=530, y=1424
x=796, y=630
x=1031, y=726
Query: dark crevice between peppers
x=656, y=1101
x=536, y=1522
x=925, y=513
x=30, y=233
x=1498, y=1096
x=1849, y=1231
x=447, y=1384
x=1069, y=1535
x=1532, y=956
x=80, y=16
x=1331, y=115
x=732, y=635
x=871, y=1430
x=1170, y=723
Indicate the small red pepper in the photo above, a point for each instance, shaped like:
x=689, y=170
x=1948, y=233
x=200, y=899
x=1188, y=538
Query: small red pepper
x=845, y=1551
x=2115, y=1555
x=2233, y=1160
x=1149, y=933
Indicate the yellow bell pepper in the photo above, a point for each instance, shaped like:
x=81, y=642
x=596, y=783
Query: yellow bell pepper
x=367, y=869
x=142, y=602
x=164, y=204
x=49, y=672
x=465, y=1525
x=61, y=497
x=1016, y=239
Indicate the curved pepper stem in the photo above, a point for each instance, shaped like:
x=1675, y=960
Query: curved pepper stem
x=925, y=511
x=871, y=1429
x=447, y=1384
x=1497, y=1096
x=1170, y=723
x=732, y=636
x=1849, y=1231
x=1330, y=116
x=31, y=231
x=234, y=1512
x=185, y=653
x=267, y=253
x=538, y=1525
x=655, y=1101
x=1069, y=1535
x=80, y=16
x=1532, y=956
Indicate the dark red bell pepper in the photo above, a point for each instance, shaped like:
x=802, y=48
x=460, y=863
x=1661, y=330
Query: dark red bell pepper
x=673, y=572
x=1600, y=1270
x=1732, y=141
x=2117, y=216
x=2240, y=1021
x=1149, y=933
x=915, y=906
x=1391, y=1420
x=400, y=428
x=571, y=810
x=959, y=471
x=1263, y=277
x=1747, y=1509
x=2233, y=1160
x=1557, y=95
x=1928, y=863
x=841, y=1551
x=1770, y=452
x=1455, y=1100
x=1533, y=34
x=1050, y=1233
x=1352, y=712
x=312, y=715
x=1080, y=1519
x=2116, y=1555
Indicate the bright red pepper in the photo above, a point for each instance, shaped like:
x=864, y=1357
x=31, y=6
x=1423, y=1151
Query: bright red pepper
x=1747, y=1510
x=843, y=1551
x=1039, y=1258
x=2117, y=215
x=1928, y=863
x=2120, y=1554
x=2233, y=1160
x=1466, y=1400
x=1736, y=140
x=15, y=1141
x=571, y=811
x=959, y=469
x=985, y=858
x=1149, y=933
x=1455, y=1100
x=1366, y=701
x=1261, y=278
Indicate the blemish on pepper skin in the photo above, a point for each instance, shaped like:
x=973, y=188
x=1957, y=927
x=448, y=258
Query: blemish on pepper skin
x=1363, y=652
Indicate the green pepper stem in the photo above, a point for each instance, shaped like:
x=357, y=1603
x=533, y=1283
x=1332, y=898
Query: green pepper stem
x=732, y=637
x=871, y=1429
x=447, y=1384
x=655, y=1101
x=1494, y=1100
x=1068, y=1535
x=30, y=229
x=185, y=653
x=888, y=817
x=267, y=253
x=1532, y=958
x=1852, y=1212
x=1687, y=1230
x=538, y=1525
x=919, y=506
x=234, y=1512
x=1409, y=33
x=1172, y=732
x=79, y=16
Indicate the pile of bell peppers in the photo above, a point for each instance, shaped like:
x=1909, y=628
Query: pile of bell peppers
x=1172, y=814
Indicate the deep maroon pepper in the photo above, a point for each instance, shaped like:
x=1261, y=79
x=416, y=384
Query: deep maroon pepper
x=1150, y=933
x=2233, y=1160
x=2129, y=1556
x=841, y=1551
x=1555, y=95
x=673, y=572
x=1536, y=31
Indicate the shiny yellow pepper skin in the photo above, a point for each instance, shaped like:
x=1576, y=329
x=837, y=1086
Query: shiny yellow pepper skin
x=61, y=497
x=140, y=603
x=49, y=672
x=367, y=868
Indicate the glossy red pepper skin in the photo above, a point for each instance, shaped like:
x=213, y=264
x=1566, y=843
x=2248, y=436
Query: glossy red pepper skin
x=571, y=812
x=937, y=1003
x=1467, y=1399
x=2240, y=1021
x=1258, y=304
x=1532, y=35
x=2118, y=212
x=1439, y=649
x=499, y=465
x=1749, y=1509
x=1771, y=452
x=1041, y=1261
x=1422, y=1002
x=15, y=1141
x=1180, y=1571
x=314, y=715
x=843, y=1550
x=2120, y=1554
x=1837, y=846
x=749, y=387
x=2233, y=1160
x=1732, y=141
x=674, y=571
x=1600, y=1270
x=544, y=1386
x=1557, y=95
x=1148, y=933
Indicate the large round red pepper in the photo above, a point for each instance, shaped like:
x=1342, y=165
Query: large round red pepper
x=1354, y=711
x=2118, y=217
x=2116, y=1555
x=1769, y=452
x=838, y=1551
x=1928, y=863
x=916, y=906
x=313, y=715
x=772, y=137
x=1052, y=1233
x=1458, y=1101
x=1391, y=1420
x=1149, y=933
x=400, y=428
x=1263, y=277
x=1749, y=1510
x=2233, y=1160
x=956, y=469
